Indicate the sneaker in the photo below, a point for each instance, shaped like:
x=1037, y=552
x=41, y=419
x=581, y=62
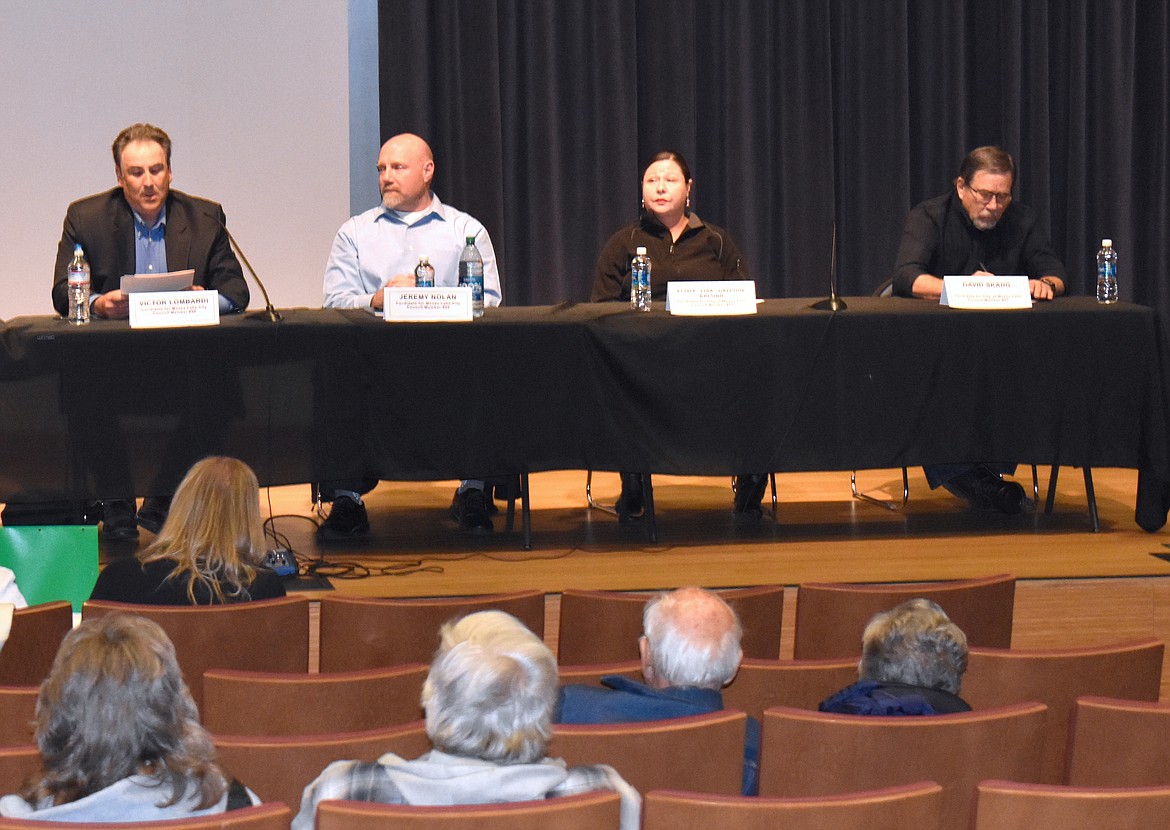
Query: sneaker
x=469, y=508
x=153, y=514
x=749, y=493
x=118, y=522
x=629, y=504
x=347, y=520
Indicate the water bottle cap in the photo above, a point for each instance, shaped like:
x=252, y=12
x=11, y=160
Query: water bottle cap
x=641, y=250
x=77, y=248
x=1106, y=243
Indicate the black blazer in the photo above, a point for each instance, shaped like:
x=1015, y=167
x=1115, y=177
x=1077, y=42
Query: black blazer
x=103, y=224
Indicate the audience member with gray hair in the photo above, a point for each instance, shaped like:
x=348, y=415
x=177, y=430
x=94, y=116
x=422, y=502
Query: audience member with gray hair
x=690, y=648
x=912, y=663
x=489, y=700
x=119, y=734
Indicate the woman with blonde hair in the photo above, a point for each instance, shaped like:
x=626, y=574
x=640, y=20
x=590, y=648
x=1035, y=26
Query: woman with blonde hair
x=119, y=734
x=209, y=551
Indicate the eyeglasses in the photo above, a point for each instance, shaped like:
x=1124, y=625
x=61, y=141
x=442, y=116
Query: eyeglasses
x=985, y=196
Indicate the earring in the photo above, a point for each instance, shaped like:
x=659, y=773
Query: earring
x=643, y=204
x=688, y=201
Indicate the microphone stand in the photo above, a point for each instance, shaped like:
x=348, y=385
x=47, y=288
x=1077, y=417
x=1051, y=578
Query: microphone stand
x=834, y=301
x=269, y=313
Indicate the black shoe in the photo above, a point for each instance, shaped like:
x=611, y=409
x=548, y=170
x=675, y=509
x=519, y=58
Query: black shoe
x=153, y=514
x=749, y=492
x=469, y=508
x=347, y=520
x=629, y=504
x=118, y=523
x=984, y=489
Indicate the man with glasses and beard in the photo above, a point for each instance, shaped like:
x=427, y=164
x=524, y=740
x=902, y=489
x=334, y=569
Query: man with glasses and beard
x=977, y=229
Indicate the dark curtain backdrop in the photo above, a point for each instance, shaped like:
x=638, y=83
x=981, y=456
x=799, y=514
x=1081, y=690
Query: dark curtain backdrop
x=794, y=114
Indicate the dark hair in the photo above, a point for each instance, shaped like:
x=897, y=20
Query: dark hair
x=670, y=155
x=141, y=132
x=989, y=159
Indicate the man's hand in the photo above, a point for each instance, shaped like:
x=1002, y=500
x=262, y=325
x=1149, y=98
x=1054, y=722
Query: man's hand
x=113, y=305
x=1041, y=290
x=397, y=281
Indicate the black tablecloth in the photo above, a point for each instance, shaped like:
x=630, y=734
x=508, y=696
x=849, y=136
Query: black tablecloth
x=329, y=394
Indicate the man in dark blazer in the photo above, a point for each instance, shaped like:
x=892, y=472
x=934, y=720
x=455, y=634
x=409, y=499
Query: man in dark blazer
x=116, y=227
x=140, y=227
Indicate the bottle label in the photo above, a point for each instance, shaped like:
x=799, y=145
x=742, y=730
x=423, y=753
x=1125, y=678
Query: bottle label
x=78, y=277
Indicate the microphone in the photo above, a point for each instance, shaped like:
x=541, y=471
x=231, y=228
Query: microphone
x=834, y=302
x=269, y=313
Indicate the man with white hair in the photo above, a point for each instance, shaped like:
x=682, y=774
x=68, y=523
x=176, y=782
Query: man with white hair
x=690, y=649
x=489, y=699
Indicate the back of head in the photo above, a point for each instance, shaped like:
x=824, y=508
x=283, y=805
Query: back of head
x=914, y=643
x=491, y=690
x=115, y=704
x=213, y=530
x=693, y=638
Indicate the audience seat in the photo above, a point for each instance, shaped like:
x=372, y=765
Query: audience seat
x=310, y=704
x=590, y=674
x=32, y=642
x=279, y=769
x=830, y=616
x=17, y=764
x=1010, y=805
x=799, y=684
x=891, y=808
x=265, y=635
x=818, y=753
x=1056, y=678
x=701, y=753
x=1119, y=743
x=260, y=817
x=604, y=626
x=18, y=704
x=362, y=633
x=589, y=811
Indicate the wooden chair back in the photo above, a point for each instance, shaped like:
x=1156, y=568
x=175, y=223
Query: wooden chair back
x=589, y=811
x=33, y=641
x=259, y=817
x=1056, y=678
x=604, y=626
x=364, y=633
x=279, y=769
x=1118, y=743
x=18, y=704
x=830, y=616
x=591, y=674
x=17, y=765
x=310, y=704
x=265, y=635
x=818, y=753
x=891, y=808
x=799, y=684
x=1010, y=805
x=702, y=753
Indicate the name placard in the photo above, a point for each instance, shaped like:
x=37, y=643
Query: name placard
x=985, y=292
x=701, y=298
x=427, y=305
x=173, y=309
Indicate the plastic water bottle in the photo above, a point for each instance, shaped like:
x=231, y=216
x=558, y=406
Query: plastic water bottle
x=1107, y=272
x=78, y=274
x=471, y=273
x=640, y=281
x=424, y=273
